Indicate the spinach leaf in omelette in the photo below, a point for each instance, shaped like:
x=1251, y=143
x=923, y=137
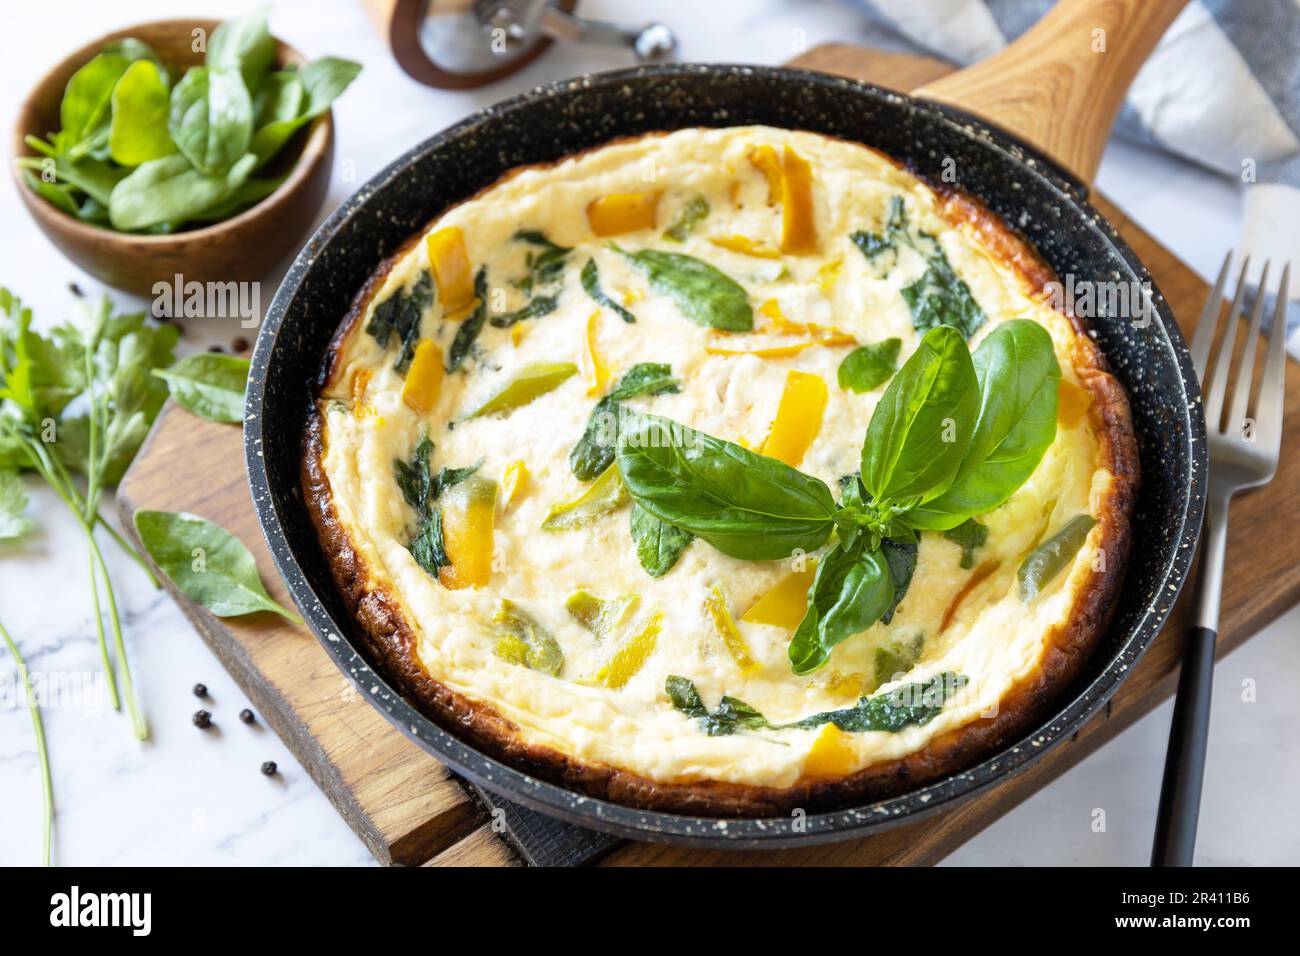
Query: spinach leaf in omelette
x=421, y=487
x=704, y=293
x=590, y=278
x=400, y=316
x=594, y=451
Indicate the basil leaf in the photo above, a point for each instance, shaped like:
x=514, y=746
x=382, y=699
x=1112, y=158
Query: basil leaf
x=209, y=385
x=746, y=505
x=207, y=564
x=1019, y=380
x=658, y=545
x=922, y=426
x=242, y=44
x=706, y=295
x=594, y=451
x=14, y=522
x=869, y=366
x=910, y=705
x=211, y=118
x=86, y=100
x=138, y=131
x=470, y=328
x=851, y=590
x=169, y=190
x=971, y=535
x=693, y=213
x=590, y=278
x=1052, y=556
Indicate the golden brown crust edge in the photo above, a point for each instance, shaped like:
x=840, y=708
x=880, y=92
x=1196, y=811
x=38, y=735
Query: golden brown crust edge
x=391, y=639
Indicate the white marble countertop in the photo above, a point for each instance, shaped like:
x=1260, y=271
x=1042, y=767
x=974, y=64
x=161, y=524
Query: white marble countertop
x=190, y=797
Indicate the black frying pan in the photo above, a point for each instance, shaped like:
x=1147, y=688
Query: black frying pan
x=1028, y=191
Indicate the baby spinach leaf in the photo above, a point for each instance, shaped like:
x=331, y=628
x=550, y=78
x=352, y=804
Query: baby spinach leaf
x=590, y=278
x=1052, y=556
x=658, y=544
x=211, y=118
x=910, y=705
x=537, y=307
x=892, y=660
x=970, y=535
x=706, y=295
x=901, y=558
x=95, y=177
x=138, y=131
x=851, y=590
x=242, y=44
x=83, y=114
x=873, y=244
x=546, y=265
x=401, y=315
x=869, y=366
x=1019, y=379
x=279, y=98
x=322, y=81
x=941, y=297
x=421, y=488
x=693, y=213
x=427, y=545
x=207, y=564
x=14, y=522
x=470, y=327
x=209, y=385
x=59, y=195
x=731, y=716
x=594, y=451
x=170, y=190
x=922, y=426
x=746, y=505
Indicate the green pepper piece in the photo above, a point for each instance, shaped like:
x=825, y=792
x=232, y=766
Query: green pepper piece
x=1046, y=561
x=602, y=496
x=523, y=641
x=532, y=380
x=897, y=657
x=598, y=615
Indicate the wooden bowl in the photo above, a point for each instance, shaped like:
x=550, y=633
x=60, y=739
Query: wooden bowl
x=242, y=248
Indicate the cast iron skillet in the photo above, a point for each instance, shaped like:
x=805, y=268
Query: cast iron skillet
x=1045, y=204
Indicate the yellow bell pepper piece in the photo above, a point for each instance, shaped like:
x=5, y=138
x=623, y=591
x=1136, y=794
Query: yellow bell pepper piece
x=767, y=162
x=530, y=382
x=468, y=516
x=746, y=246
x=786, y=602
x=518, y=331
x=618, y=213
x=798, y=417
x=600, y=616
x=715, y=605
x=798, y=230
x=361, y=406
x=594, y=367
x=631, y=657
x=828, y=275
x=514, y=479
x=831, y=754
x=424, y=377
x=633, y=296
x=452, y=273
x=607, y=493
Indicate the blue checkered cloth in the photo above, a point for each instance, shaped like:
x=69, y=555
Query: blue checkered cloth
x=1222, y=89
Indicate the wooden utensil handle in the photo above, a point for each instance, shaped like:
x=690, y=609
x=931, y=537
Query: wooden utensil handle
x=1060, y=86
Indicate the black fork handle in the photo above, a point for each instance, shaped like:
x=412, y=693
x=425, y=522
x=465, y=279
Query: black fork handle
x=1180, y=793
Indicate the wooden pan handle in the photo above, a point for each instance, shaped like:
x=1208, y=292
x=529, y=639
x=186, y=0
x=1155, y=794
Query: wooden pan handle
x=1060, y=86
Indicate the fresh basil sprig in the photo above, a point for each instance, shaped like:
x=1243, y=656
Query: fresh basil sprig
x=951, y=437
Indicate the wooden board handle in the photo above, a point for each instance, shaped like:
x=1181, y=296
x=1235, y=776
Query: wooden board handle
x=1060, y=86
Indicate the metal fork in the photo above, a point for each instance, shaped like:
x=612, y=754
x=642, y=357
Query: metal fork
x=1243, y=454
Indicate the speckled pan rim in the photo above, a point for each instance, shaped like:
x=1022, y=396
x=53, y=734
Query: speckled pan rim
x=769, y=833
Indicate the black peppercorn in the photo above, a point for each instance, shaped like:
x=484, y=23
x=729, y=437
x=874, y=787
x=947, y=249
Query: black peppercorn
x=200, y=690
x=239, y=344
x=202, y=719
x=247, y=716
x=268, y=768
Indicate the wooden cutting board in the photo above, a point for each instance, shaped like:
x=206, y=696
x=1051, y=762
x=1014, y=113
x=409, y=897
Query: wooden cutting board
x=410, y=810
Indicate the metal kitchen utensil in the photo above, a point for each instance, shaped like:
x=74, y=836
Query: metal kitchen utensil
x=1244, y=451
